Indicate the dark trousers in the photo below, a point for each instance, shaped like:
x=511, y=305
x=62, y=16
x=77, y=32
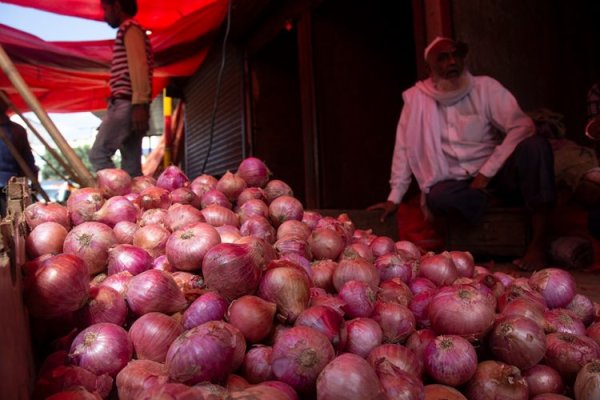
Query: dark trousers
x=525, y=179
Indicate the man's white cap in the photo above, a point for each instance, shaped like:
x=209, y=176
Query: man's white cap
x=434, y=43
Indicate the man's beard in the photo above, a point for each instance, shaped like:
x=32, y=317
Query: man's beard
x=453, y=84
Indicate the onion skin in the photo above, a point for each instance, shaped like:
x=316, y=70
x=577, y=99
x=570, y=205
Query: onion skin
x=496, y=380
x=450, y=360
x=63, y=377
x=231, y=185
x=299, y=355
x=116, y=209
x=38, y=213
x=152, y=238
x=185, y=249
x=253, y=316
x=172, y=178
x=113, y=182
x=138, y=377
x=124, y=231
x=210, y=346
x=83, y=204
x=327, y=321
x=284, y=208
x=439, y=268
x=154, y=290
x=126, y=257
x=256, y=367
x=587, y=382
x=568, y=353
x=518, y=341
x=154, y=197
x=254, y=172
x=45, y=238
x=325, y=244
x=60, y=285
x=401, y=358
x=397, y=322
x=105, y=305
x=349, y=377
x=276, y=188
x=355, y=269
x=543, y=379
x=152, y=335
x=91, y=242
x=435, y=391
x=364, y=334
x=288, y=287
x=359, y=298
x=322, y=274
x=102, y=348
x=556, y=285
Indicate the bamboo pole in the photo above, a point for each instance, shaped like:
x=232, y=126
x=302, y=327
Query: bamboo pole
x=52, y=152
x=84, y=177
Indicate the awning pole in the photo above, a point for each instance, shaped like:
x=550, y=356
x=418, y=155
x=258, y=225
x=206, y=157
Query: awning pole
x=84, y=177
x=52, y=152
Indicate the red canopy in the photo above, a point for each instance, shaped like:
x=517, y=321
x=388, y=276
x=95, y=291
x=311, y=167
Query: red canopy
x=73, y=76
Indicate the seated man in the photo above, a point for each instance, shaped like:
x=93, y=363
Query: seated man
x=465, y=137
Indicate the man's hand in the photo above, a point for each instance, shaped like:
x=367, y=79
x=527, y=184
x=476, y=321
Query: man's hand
x=140, y=115
x=480, y=182
x=387, y=207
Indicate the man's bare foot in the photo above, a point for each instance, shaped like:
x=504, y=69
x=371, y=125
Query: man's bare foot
x=534, y=259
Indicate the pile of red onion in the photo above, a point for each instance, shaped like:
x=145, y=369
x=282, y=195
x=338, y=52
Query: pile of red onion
x=226, y=288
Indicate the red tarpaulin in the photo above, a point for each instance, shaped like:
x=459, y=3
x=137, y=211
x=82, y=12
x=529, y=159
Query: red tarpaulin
x=73, y=76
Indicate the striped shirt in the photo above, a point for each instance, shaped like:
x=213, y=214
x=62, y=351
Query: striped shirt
x=130, y=74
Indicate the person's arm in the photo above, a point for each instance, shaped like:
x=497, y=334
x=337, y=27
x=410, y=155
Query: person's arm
x=22, y=144
x=506, y=115
x=135, y=46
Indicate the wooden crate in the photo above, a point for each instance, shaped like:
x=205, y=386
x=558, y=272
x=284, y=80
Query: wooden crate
x=504, y=232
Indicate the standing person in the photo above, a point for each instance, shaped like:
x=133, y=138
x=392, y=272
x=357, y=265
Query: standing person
x=127, y=118
x=464, y=137
x=9, y=166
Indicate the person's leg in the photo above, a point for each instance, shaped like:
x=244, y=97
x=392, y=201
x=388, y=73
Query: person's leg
x=113, y=131
x=455, y=199
x=528, y=177
x=131, y=154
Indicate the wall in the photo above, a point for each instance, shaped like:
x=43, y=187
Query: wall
x=545, y=52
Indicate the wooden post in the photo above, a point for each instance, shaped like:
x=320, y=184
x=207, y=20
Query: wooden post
x=84, y=177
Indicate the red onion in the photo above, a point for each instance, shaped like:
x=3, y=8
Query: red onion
x=184, y=195
x=450, y=360
x=172, y=178
x=409, y=247
x=64, y=377
x=276, y=188
x=349, y=377
x=395, y=265
x=364, y=236
x=191, y=285
x=154, y=290
x=45, y=238
x=231, y=185
x=75, y=393
x=259, y=227
x=299, y=356
x=516, y=290
x=288, y=287
x=327, y=321
x=343, y=225
x=587, y=382
x=526, y=308
x=464, y=263
x=543, y=379
x=439, y=268
x=257, y=364
x=419, y=306
x=162, y=263
x=419, y=285
x=399, y=384
x=261, y=251
x=488, y=281
x=115, y=209
x=359, y=298
x=254, y=172
x=236, y=383
x=154, y=197
x=152, y=238
x=593, y=331
x=105, y=305
x=394, y=291
x=357, y=250
x=139, y=183
x=217, y=215
x=311, y=218
x=496, y=380
x=185, y=249
x=83, y=204
x=284, y=208
x=211, y=345
x=180, y=215
x=292, y=245
x=293, y=228
x=251, y=193
x=210, y=306
x=271, y=390
x=435, y=391
x=397, y=322
x=253, y=316
x=325, y=243
x=503, y=277
x=118, y=282
x=228, y=233
x=322, y=274
x=153, y=216
x=203, y=183
x=91, y=242
x=102, y=348
x=364, y=334
x=419, y=340
x=583, y=307
x=60, y=285
x=355, y=269
x=173, y=390
x=517, y=341
x=461, y=310
x=38, y=213
x=252, y=208
x=231, y=270
x=382, y=245
x=556, y=285
x=152, y=335
x=563, y=321
x=567, y=353
x=113, y=182
x=138, y=377
x=399, y=357
x=214, y=196
x=126, y=257
x=124, y=231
